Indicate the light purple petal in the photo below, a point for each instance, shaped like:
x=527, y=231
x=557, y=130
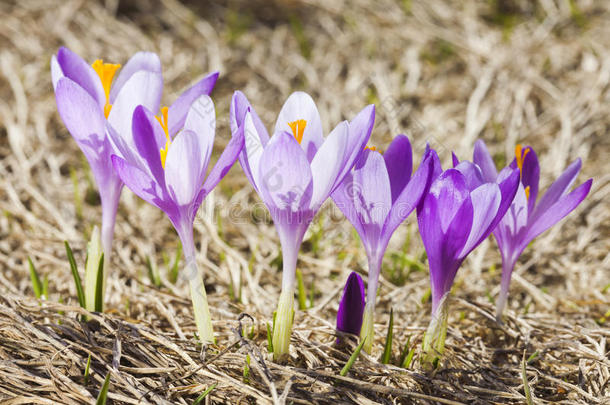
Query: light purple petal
x=76, y=69
x=142, y=88
x=141, y=61
x=557, y=189
x=482, y=158
x=285, y=174
x=56, y=72
x=485, y=203
x=472, y=174
x=327, y=164
x=372, y=196
x=450, y=190
x=142, y=185
x=222, y=166
x=201, y=119
x=399, y=162
x=557, y=211
x=252, y=152
x=179, y=109
x=300, y=106
x=184, y=167
x=79, y=112
x=351, y=306
x=343, y=197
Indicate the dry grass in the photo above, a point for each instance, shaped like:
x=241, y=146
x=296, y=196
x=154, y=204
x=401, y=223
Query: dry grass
x=505, y=71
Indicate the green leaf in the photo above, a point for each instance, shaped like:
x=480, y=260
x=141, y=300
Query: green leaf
x=204, y=394
x=301, y=293
x=103, y=395
x=36, y=283
x=404, y=352
x=526, y=385
x=99, y=286
x=173, y=273
x=269, y=339
x=45, y=286
x=79, y=286
x=153, y=272
x=87, y=370
x=352, y=359
x=387, y=350
x=246, y=372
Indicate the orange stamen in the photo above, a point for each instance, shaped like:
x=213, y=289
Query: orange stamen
x=520, y=155
x=527, y=192
x=298, y=127
x=163, y=121
x=106, y=72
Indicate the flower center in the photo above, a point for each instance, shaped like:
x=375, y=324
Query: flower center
x=106, y=72
x=298, y=127
x=164, y=124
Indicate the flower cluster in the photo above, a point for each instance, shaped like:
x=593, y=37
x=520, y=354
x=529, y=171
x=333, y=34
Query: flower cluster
x=162, y=154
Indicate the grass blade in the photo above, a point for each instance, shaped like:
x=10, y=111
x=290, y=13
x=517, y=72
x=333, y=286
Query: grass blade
x=526, y=385
x=352, y=359
x=103, y=395
x=99, y=286
x=87, y=370
x=301, y=293
x=269, y=339
x=36, y=283
x=153, y=272
x=387, y=350
x=205, y=394
x=173, y=273
x=79, y=286
x=404, y=352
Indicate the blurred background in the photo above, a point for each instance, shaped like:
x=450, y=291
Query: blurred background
x=443, y=72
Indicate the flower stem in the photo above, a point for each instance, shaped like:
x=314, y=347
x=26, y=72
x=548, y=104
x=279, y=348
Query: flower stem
x=507, y=270
x=433, y=344
x=283, y=324
x=203, y=319
x=110, y=201
x=368, y=326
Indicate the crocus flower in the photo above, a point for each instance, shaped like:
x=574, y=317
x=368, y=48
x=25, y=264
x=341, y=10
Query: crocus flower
x=86, y=100
x=453, y=220
x=376, y=197
x=528, y=218
x=351, y=306
x=169, y=169
x=294, y=172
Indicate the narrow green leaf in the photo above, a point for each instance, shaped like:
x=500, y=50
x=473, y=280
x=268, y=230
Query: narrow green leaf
x=36, y=283
x=87, y=370
x=526, y=385
x=533, y=357
x=409, y=359
x=269, y=339
x=312, y=292
x=301, y=293
x=352, y=359
x=426, y=297
x=205, y=393
x=103, y=395
x=404, y=352
x=45, y=286
x=246, y=372
x=153, y=272
x=99, y=286
x=79, y=286
x=387, y=350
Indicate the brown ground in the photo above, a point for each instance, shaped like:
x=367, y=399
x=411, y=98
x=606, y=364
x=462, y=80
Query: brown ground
x=447, y=72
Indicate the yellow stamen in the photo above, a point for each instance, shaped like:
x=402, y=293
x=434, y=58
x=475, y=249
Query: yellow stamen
x=527, y=192
x=165, y=125
x=373, y=148
x=106, y=72
x=520, y=155
x=298, y=127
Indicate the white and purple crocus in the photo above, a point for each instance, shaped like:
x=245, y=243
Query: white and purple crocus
x=526, y=217
x=376, y=197
x=166, y=166
x=87, y=100
x=294, y=172
x=457, y=214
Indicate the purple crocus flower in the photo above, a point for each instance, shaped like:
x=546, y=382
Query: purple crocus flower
x=455, y=218
x=528, y=218
x=294, y=172
x=170, y=173
x=351, y=306
x=376, y=197
x=87, y=100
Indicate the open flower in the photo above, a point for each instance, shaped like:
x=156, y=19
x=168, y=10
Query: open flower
x=376, y=197
x=351, y=306
x=453, y=220
x=528, y=218
x=86, y=100
x=294, y=172
x=170, y=173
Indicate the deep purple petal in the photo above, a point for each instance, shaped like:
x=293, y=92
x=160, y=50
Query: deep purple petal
x=146, y=140
x=450, y=190
x=142, y=185
x=562, y=207
x=559, y=188
x=76, y=69
x=179, y=109
x=141, y=61
x=482, y=158
x=351, y=306
x=454, y=159
x=285, y=175
x=399, y=162
x=530, y=176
